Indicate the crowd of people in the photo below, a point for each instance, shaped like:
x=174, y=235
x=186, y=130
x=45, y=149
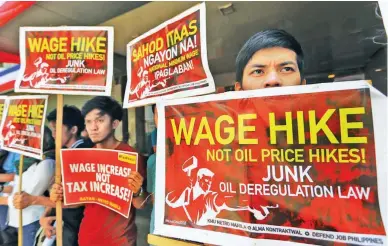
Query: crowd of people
x=270, y=58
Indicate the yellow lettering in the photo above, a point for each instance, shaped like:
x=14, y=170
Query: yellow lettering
x=274, y=128
x=182, y=129
x=301, y=136
x=193, y=27
x=54, y=45
x=242, y=129
x=229, y=130
x=134, y=56
x=62, y=44
x=101, y=45
x=204, y=125
x=321, y=125
x=34, y=44
x=1, y=110
x=345, y=125
x=353, y=153
x=184, y=33
x=159, y=44
x=36, y=111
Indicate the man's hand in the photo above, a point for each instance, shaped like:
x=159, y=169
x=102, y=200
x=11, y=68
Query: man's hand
x=56, y=193
x=135, y=181
x=22, y=200
x=48, y=229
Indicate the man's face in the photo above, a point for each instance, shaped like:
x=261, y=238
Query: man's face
x=66, y=133
x=99, y=127
x=271, y=67
x=205, y=182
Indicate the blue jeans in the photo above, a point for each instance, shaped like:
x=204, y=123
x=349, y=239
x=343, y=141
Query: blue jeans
x=3, y=216
x=29, y=233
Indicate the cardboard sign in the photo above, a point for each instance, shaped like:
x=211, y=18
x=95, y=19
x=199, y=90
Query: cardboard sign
x=98, y=176
x=304, y=164
x=66, y=60
x=169, y=61
x=22, y=125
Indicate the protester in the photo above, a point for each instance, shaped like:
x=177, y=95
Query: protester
x=7, y=175
x=269, y=58
x=100, y=225
x=72, y=126
x=36, y=178
x=151, y=167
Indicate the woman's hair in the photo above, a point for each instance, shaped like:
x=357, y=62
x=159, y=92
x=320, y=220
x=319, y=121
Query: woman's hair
x=48, y=140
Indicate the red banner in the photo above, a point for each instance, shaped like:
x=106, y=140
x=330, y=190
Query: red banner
x=66, y=60
x=11, y=9
x=169, y=61
x=98, y=176
x=23, y=125
x=299, y=167
x=9, y=57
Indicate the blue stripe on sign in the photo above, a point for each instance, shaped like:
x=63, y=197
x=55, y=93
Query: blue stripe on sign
x=10, y=70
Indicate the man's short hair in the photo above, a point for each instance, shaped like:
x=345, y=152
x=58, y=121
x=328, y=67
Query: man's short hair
x=107, y=105
x=71, y=117
x=268, y=39
x=153, y=108
x=48, y=140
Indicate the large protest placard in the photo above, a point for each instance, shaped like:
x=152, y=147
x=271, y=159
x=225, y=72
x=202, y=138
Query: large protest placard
x=169, y=61
x=22, y=126
x=98, y=176
x=66, y=60
x=302, y=164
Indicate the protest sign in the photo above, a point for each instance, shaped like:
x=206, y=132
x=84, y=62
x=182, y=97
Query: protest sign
x=169, y=61
x=303, y=164
x=66, y=60
x=22, y=126
x=98, y=176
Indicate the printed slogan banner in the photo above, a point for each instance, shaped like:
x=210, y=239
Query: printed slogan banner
x=295, y=164
x=66, y=60
x=98, y=176
x=169, y=61
x=22, y=125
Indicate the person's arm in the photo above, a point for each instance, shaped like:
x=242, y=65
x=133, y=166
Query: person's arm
x=140, y=201
x=3, y=200
x=7, y=189
x=56, y=194
x=38, y=183
x=46, y=212
x=6, y=177
x=23, y=200
x=135, y=182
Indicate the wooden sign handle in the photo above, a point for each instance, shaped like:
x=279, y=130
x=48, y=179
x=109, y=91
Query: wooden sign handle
x=20, y=231
x=58, y=175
